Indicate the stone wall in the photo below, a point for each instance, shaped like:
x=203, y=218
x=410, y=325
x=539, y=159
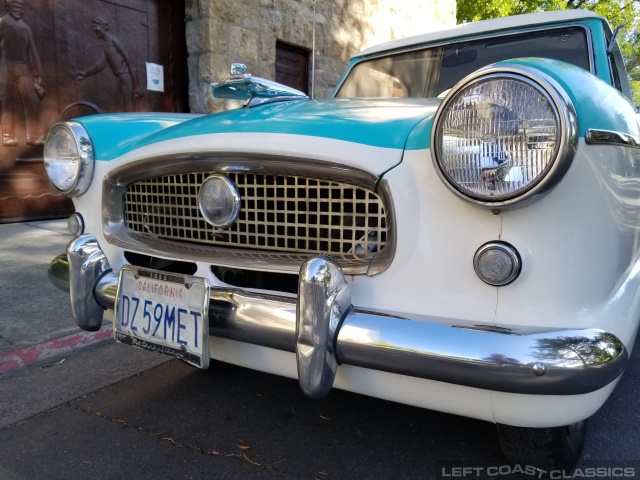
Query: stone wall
x=221, y=32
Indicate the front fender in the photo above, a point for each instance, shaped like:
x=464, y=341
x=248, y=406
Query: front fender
x=115, y=133
x=598, y=105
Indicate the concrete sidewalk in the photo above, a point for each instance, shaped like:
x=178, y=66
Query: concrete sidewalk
x=36, y=323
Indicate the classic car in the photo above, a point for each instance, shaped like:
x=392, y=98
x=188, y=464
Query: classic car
x=457, y=228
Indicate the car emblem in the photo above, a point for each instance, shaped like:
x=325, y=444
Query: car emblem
x=219, y=201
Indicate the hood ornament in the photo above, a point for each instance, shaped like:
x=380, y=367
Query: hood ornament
x=254, y=90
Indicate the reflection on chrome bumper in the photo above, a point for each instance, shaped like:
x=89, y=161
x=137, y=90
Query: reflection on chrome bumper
x=325, y=330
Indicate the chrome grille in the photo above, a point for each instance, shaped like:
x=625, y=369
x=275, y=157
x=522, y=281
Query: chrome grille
x=279, y=213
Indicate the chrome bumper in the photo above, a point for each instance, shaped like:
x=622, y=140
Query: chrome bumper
x=324, y=330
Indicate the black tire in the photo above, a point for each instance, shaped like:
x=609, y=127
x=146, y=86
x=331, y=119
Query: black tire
x=556, y=448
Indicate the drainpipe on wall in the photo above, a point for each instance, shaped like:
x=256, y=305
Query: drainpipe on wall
x=313, y=53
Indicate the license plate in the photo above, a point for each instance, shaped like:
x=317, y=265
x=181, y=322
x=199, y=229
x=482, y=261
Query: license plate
x=164, y=312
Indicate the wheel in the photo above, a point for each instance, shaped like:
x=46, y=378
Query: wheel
x=556, y=448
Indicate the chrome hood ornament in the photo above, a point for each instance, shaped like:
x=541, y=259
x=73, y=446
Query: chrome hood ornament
x=254, y=90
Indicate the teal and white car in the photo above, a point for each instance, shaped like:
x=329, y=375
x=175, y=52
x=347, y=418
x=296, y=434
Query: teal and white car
x=458, y=228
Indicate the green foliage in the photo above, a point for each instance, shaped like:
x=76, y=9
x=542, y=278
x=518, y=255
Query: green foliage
x=635, y=89
x=472, y=10
x=617, y=12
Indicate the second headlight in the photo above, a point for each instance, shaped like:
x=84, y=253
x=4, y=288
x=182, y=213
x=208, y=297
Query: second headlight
x=500, y=137
x=68, y=158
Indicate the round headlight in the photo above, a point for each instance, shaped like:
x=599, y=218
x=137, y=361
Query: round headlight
x=219, y=201
x=502, y=137
x=68, y=158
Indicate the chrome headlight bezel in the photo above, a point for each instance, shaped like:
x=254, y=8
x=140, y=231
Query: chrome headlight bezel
x=85, y=158
x=566, y=134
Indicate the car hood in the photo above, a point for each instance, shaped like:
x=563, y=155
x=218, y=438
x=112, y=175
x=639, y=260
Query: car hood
x=374, y=123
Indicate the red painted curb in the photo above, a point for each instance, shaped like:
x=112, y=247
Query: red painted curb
x=51, y=349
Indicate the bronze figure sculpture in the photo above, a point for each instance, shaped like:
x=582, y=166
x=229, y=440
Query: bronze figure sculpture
x=20, y=68
x=119, y=60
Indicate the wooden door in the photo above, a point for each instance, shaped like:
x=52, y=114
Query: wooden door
x=61, y=59
x=292, y=66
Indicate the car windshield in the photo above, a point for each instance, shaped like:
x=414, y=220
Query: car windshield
x=431, y=72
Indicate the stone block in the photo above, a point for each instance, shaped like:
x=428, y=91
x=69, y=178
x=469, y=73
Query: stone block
x=323, y=92
x=205, y=35
x=199, y=98
x=199, y=8
x=287, y=28
x=252, y=19
x=243, y=44
x=191, y=10
x=267, y=53
x=227, y=10
x=303, y=32
x=265, y=70
x=355, y=9
x=215, y=105
x=193, y=67
x=273, y=22
x=213, y=67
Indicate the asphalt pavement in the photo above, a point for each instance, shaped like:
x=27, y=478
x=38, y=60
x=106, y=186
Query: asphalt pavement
x=41, y=347
x=36, y=323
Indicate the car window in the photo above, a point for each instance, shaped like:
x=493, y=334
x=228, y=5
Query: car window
x=616, y=64
x=428, y=72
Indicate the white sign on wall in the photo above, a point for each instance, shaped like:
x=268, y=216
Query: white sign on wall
x=155, y=77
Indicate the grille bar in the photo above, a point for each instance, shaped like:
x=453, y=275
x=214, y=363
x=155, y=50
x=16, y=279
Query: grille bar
x=279, y=213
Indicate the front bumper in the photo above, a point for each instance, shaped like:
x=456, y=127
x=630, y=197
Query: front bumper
x=324, y=330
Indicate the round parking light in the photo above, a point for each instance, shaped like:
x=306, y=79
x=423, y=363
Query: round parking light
x=497, y=263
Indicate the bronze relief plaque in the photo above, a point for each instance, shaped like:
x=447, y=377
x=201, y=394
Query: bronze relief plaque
x=63, y=59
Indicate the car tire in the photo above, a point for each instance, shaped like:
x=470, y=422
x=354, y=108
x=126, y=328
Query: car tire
x=555, y=448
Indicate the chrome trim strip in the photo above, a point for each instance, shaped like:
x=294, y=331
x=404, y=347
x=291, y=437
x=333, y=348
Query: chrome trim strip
x=383, y=259
x=567, y=132
x=574, y=361
x=225, y=163
x=463, y=39
x=324, y=299
x=607, y=137
x=116, y=232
